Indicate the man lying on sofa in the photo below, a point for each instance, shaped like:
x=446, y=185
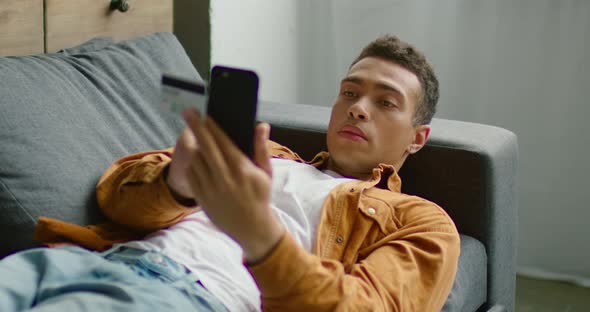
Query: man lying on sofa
x=202, y=227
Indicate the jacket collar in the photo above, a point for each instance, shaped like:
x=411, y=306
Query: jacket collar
x=384, y=175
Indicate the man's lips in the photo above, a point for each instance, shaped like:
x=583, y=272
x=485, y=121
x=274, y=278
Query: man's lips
x=353, y=133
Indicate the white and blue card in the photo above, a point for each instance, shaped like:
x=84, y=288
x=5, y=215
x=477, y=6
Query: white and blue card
x=179, y=94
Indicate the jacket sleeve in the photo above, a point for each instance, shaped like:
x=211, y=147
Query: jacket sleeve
x=133, y=192
x=412, y=269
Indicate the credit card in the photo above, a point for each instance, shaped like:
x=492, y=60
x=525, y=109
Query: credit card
x=179, y=94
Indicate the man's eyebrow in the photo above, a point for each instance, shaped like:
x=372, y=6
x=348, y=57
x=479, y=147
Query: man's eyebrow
x=380, y=85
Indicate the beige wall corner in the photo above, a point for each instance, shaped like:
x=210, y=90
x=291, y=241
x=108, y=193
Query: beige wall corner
x=192, y=26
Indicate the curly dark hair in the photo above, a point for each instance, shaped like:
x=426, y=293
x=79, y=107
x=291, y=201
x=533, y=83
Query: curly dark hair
x=391, y=48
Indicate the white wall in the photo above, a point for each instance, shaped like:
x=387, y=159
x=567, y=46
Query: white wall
x=260, y=35
x=520, y=64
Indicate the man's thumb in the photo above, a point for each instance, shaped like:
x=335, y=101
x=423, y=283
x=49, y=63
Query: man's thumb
x=261, y=152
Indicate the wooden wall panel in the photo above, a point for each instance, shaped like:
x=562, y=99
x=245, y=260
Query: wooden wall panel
x=21, y=27
x=71, y=22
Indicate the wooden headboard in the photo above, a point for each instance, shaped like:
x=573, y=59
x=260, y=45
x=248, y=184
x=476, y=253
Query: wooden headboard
x=39, y=26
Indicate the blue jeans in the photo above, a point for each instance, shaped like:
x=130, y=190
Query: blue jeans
x=120, y=279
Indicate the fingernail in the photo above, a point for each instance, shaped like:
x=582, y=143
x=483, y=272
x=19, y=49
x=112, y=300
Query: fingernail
x=190, y=113
x=186, y=113
x=266, y=131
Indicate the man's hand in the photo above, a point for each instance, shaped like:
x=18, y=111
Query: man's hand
x=234, y=191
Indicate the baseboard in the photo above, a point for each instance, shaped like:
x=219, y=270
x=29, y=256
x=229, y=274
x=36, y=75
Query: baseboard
x=543, y=274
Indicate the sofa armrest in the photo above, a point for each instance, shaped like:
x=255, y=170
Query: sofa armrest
x=469, y=169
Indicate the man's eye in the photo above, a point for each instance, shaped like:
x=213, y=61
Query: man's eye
x=347, y=93
x=388, y=104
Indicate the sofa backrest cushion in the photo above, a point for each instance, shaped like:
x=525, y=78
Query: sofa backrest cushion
x=65, y=117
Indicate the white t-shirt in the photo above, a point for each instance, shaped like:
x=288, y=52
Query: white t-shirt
x=298, y=194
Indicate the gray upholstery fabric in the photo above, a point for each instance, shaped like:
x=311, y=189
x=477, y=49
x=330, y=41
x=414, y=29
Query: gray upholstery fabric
x=88, y=46
x=469, y=289
x=468, y=169
x=65, y=117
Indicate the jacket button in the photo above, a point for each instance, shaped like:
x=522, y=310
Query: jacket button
x=339, y=239
x=371, y=210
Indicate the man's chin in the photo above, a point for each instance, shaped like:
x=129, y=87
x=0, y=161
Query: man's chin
x=347, y=148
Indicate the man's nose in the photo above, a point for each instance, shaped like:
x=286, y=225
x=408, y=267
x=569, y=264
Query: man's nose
x=359, y=110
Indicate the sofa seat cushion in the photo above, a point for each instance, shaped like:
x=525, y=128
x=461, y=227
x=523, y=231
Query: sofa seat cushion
x=65, y=117
x=470, y=287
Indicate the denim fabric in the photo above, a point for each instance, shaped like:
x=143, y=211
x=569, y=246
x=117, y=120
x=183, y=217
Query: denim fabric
x=121, y=279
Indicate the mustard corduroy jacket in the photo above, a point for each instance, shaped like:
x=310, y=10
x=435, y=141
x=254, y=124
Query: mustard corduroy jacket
x=376, y=249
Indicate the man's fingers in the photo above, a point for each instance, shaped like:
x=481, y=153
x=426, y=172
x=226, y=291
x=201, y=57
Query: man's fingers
x=195, y=176
x=209, y=146
x=227, y=147
x=192, y=119
x=186, y=141
x=261, y=152
x=219, y=152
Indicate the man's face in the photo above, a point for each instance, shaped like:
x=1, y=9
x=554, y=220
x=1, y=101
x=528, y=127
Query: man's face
x=372, y=118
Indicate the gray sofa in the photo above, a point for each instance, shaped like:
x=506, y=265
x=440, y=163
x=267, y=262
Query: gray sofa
x=65, y=117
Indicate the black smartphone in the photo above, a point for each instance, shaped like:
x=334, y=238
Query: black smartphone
x=232, y=103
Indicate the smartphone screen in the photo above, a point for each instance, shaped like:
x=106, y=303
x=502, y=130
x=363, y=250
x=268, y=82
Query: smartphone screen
x=232, y=103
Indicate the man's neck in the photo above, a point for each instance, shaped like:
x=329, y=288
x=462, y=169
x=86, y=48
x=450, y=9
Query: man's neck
x=359, y=175
x=331, y=165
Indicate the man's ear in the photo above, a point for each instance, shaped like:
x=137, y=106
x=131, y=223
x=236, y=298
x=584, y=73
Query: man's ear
x=420, y=138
